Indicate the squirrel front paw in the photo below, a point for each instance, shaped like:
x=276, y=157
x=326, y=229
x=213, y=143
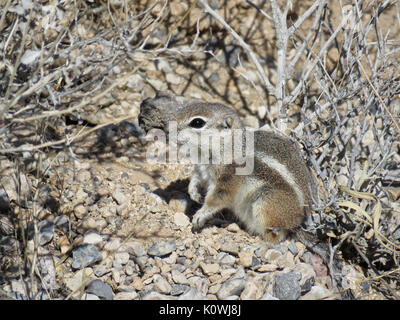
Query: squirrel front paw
x=198, y=221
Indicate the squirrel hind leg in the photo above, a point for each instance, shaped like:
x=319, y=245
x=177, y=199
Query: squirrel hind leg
x=274, y=235
x=278, y=214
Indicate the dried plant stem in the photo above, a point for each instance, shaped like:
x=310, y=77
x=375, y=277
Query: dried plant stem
x=243, y=44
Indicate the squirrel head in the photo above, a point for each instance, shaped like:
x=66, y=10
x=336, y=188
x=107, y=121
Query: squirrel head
x=197, y=116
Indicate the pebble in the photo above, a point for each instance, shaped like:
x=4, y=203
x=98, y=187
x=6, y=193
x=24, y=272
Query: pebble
x=154, y=295
x=230, y=247
x=173, y=79
x=113, y=245
x=307, y=276
x=129, y=295
x=178, y=277
x=178, y=289
x=75, y=282
x=119, y=196
x=233, y=227
x=209, y=268
x=271, y=256
x=89, y=296
x=191, y=294
x=269, y=267
x=85, y=255
x=45, y=229
x=287, y=286
x=100, y=289
x=47, y=272
x=181, y=219
x=80, y=211
x=92, y=238
x=246, y=258
x=268, y=296
x=317, y=293
x=135, y=248
x=161, y=284
x=293, y=248
x=224, y=258
x=231, y=287
x=122, y=257
x=62, y=222
x=252, y=290
x=161, y=248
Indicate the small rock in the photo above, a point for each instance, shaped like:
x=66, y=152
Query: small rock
x=135, y=248
x=154, y=295
x=224, y=258
x=269, y=267
x=113, y=245
x=230, y=247
x=271, y=256
x=178, y=277
x=287, y=286
x=231, y=287
x=233, y=227
x=45, y=229
x=80, y=211
x=268, y=296
x=161, y=248
x=293, y=248
x=101, y=270
x=246, y=258
x=178, y=289
x=285, y=261
x=161, y=284
x=171, y=259
x=62, y=222
x=30, y=56
x=119, y=197
x=252, y=290
x=122, y=257
x=181, y=219
x=100, y=289
x=130, y=268
x=92, y=238
x=307, y=276
x=209, y=268
x=178, y=9
x=255, y=262
x=89, y=296
x=173, y=79
x=191, y=294
x=129, y=295
x=318, y=293
x=48, y=272
x=75, y=282
x=81, y=196
x=85, y=255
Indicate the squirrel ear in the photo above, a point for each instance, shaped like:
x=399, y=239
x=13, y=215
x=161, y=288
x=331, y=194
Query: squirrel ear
x=228, y=122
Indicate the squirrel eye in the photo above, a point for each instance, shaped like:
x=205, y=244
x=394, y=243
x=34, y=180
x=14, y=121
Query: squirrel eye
x=197, y=123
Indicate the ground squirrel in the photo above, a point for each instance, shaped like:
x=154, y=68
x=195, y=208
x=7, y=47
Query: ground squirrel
x=273, y=199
